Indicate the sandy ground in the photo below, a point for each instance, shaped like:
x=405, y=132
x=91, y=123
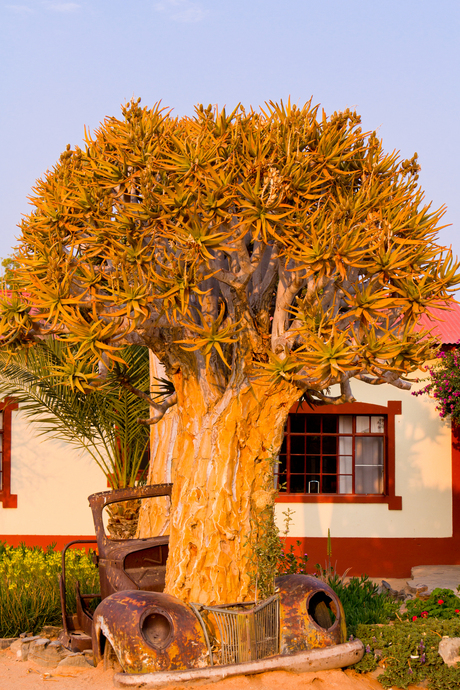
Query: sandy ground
x=27, y=675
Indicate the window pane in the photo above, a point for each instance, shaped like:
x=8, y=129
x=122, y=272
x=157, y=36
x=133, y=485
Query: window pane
x=345, y=484
x=346, y=464
x=297, y=483
x=314, y=445
x=1, y=420
x=346, y=445
x=330, y=465
x=333, y=453
x=313, y=484
x=297, y=423
x=298, y=444
x=329, y=484
x=377, y=424
x=362, y=424
x=283, y=445
x=345, y=424
x=313, y=464
x=297, y=464
x=369, y=480
x=313, y=423
x=330, y=424
x=330, y=445
x=369, y=451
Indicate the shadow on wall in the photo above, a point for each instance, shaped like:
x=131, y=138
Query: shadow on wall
x=428, y=439
x=53, y=481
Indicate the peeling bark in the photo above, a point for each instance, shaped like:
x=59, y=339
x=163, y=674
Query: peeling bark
x=222, y=467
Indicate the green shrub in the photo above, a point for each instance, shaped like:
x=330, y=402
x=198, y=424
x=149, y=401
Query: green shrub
x=29, y=586
x=362, y=602
x=408, y=652
x=442, y=604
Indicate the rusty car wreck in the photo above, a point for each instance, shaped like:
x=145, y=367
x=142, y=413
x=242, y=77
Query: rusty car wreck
x=146, y=631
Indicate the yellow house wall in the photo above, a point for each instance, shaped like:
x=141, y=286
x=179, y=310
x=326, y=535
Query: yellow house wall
x=53, y=481
x=423, y=479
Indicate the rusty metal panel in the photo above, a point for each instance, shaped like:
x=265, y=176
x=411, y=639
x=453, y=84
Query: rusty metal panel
x=102, y=499
x=311, y=615
x=123, y=565
x=132, y=563
x=149, y=632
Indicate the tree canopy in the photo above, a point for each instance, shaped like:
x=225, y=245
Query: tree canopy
x=279, y=243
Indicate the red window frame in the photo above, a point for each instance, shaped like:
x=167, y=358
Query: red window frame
x=9, y=500
x=388, y=496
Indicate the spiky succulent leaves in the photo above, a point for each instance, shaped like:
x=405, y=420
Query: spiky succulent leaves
x=233, y=243
x=104, y=422
x=211, y=336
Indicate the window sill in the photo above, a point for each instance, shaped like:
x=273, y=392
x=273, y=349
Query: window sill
x=394, y=502
x=9, y=500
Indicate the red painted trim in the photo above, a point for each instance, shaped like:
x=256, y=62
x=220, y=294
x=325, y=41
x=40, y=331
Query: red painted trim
x=8, y=499
x=380, y=557
x=394, y=407
x=339, y=498
x=44, y=540
x=392, y=557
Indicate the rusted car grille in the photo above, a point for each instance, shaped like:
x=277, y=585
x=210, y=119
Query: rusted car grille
x=241, y=632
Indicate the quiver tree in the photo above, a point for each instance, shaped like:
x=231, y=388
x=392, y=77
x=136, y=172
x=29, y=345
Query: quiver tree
x=261, y=256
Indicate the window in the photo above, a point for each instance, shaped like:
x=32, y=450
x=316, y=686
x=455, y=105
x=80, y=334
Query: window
x=8, y=499
x=342, y=453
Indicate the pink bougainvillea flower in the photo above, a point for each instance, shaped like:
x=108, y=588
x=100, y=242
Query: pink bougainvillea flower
x=440, y=601
x=414, y=618
x=424, y=614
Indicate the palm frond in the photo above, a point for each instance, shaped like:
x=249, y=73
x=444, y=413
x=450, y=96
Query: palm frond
x=102, y=423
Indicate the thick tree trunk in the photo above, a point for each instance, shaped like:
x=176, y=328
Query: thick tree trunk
x=222, y=481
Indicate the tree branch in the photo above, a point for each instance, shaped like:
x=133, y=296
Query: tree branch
x=287, y=290
x=316, y=397
x=161, y=410
x=388, y=377
x=264, y=277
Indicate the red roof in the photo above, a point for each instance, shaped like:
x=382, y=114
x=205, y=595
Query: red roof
x=447, y=328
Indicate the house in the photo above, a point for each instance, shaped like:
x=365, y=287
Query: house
x=382, y=474
x=45, y=485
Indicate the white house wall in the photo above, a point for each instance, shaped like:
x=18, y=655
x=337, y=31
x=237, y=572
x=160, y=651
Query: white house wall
x=52, y=481
x=423, y=479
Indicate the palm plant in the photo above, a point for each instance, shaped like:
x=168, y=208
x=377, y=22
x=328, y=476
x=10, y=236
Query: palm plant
x=102, y=422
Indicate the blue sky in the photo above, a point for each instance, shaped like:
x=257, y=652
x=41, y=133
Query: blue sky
x=70, y=64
